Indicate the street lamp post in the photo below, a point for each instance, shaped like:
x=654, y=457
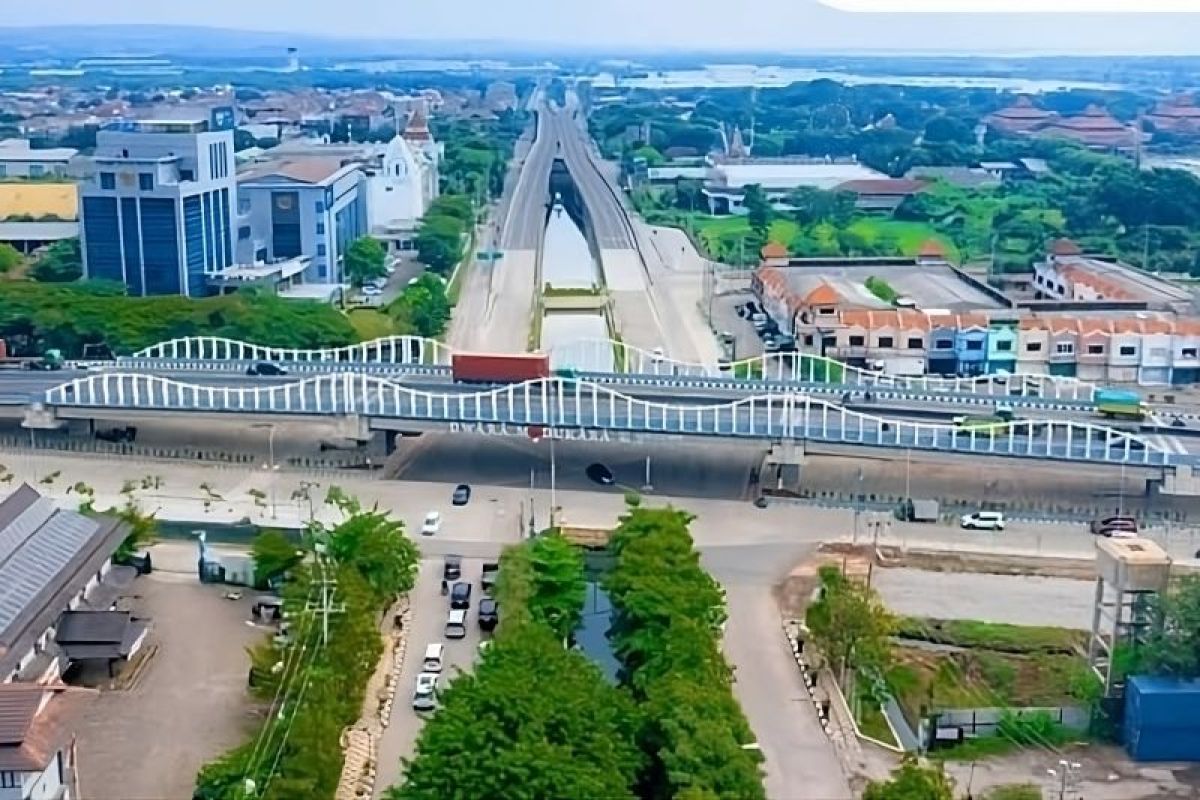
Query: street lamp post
x=270, y=466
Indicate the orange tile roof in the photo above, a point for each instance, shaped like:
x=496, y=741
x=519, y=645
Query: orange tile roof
x=931, y=248
x=822, y=294
x=1064, y=247
x=774, y=250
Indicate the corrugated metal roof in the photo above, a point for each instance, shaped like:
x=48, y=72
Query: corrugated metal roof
x=40, y=548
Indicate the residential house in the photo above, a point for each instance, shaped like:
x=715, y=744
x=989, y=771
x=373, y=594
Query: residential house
x=1094, y=349
x=970, y=343
x=1154, y=368
x=882, y=195
x=1125, y=352
x=1064, y=346
x=37, y=741
x=1002, y=345
x=1185, y=352
x=1033, y=344
x=942, y=356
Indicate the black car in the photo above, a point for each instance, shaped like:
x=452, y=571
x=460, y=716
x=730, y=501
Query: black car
x=460, y=595
x=600, y=474
x=452, y=568
x=489, y=614
x=266, y=369
x=461, y=496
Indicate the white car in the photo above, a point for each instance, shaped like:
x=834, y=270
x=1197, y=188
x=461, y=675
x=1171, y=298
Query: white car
x=425, y=693
x=983, y=521
x=432, y=523
x=371, y=291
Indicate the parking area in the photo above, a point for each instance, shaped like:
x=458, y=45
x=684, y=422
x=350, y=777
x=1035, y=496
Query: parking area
x=186, y=703
x=725, y=319
x=427, y=626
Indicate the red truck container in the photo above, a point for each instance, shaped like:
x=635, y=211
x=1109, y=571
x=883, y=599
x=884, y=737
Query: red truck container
x=499, y=368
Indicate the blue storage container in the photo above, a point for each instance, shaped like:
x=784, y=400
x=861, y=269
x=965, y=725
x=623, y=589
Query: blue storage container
x=1162, y=719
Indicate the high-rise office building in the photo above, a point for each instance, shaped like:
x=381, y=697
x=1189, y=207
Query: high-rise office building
x=157, y=213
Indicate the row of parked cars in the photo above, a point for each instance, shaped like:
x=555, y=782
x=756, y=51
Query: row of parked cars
x=774, y=341
x=487, y=615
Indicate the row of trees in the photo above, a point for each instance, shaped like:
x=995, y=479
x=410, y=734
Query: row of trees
x=316, y=686
x=668, y=616
x=443, y=231
x=35, y=316
x=534, y=719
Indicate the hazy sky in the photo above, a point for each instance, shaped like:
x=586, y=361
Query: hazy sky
x=790, y=25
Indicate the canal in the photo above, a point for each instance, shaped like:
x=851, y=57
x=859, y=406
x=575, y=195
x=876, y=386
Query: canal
x=567, y=264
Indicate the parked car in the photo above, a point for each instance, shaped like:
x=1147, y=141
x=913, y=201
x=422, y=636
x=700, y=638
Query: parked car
x=425, y=692
x=266, y=369
x=983, y=521
x=487, y=578
x=461, y=496
x=489, y=614
x=460, y=595
x=371, y=291
x=451, y=568
x=456, y=624
x=434, y=656
x=1108, y=526
x=432, y=523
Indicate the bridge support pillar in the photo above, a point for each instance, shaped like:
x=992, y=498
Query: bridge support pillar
x=41, y=418
x=783, y=466
x=1181, y=481
x=353, y=427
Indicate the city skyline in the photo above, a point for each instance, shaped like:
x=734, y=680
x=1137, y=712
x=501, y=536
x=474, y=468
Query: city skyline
x=760, y=25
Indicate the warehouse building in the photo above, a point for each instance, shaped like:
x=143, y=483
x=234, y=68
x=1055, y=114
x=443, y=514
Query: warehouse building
x=58, y=588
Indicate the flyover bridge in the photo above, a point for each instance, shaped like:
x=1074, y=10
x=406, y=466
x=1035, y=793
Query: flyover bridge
x=635, y=367
x=563, y=403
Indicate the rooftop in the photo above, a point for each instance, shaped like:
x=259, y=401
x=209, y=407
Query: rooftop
x=312, y=170
x=35, y=723
x=47, y=556
x=790, y=176
x=1116, y=281
x=20, y=150
x=930, y=285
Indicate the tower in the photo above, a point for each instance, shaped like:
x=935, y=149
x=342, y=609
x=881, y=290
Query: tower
x=1128, y=572
x=293, y=60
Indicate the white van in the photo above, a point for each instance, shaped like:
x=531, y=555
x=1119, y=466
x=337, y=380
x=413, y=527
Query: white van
x=456, y=624
x=433, y=657
x=983, y=521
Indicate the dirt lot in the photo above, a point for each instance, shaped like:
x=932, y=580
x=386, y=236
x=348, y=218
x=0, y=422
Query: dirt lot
x=186, y=704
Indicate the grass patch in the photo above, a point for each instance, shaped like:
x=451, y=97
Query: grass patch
x=881, y=289
x=872, y=723
x=1015, y=791
x=995, y=636
x=1037, y=730
x=908, y=235
x=370, y=323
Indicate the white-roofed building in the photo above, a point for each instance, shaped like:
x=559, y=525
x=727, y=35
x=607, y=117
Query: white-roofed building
x=726, y=181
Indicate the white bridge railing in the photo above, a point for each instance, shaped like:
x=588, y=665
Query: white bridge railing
x=560, y=403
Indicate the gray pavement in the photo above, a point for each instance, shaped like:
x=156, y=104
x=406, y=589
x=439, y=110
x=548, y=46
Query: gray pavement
x=425, y=627
x=1012, y=599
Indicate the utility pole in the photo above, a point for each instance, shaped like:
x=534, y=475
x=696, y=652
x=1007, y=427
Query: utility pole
x=327, y=607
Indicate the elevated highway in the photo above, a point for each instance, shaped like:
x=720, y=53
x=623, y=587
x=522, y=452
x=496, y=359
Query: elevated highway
x=787, y=418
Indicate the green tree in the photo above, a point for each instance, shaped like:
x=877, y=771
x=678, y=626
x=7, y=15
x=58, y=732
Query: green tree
x=373, y=544
x=61, y=262
x=758, y=208
x=533, y=721
x=911, y=781
x=689, y=195
x=10, y=258
x=558, y=586
x=422, y=308
x=1173, y=645
x=439, y=242
x=849, y=623
x=457, y=206
x=274, y=554
x=366, y=260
